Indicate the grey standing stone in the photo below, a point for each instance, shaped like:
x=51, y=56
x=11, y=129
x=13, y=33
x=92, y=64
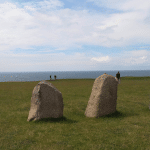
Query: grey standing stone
x=103, y=98
x=46, y=102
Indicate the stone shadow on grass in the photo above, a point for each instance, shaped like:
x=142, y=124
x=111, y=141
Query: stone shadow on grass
x=52, y=120
x=118, y=114
x=64, y=120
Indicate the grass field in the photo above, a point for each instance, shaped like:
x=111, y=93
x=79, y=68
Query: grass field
x=127, y=129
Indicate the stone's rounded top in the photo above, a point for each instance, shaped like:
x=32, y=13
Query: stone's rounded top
x=104, y=77
x=49, y=84
x=44, y=82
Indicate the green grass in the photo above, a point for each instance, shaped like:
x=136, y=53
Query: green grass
x=127, y=129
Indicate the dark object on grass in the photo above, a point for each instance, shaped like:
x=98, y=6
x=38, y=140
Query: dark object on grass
x=50, y=77
x=55, y=77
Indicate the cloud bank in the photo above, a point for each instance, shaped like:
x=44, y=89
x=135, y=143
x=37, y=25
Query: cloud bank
x=47, y=26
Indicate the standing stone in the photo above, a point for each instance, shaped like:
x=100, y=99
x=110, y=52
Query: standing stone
x=103, y=99
x=46, y=102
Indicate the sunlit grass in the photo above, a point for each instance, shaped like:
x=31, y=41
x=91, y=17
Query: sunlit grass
x=127, y=128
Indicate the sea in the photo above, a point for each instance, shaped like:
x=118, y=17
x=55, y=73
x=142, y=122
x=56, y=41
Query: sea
x=38, y=76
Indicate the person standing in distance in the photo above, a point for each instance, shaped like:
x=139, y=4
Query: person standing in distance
x=118, y=76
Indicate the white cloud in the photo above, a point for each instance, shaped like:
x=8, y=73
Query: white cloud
x=69, y=27
x=64, y=29
x=29, y=8
x=101, y=59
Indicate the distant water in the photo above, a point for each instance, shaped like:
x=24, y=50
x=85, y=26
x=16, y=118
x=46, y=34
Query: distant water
x=38, y=76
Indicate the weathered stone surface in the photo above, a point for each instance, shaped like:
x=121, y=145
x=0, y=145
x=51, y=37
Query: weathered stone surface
x=46, y=102
x=103, y=98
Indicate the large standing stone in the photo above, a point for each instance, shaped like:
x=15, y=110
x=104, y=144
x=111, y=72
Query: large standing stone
x=46, y=102
x=103, y=99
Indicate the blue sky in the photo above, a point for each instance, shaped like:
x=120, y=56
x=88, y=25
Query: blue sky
x=69, y=35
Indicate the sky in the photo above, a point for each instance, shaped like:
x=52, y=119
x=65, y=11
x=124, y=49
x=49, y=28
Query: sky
x=74, y=35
